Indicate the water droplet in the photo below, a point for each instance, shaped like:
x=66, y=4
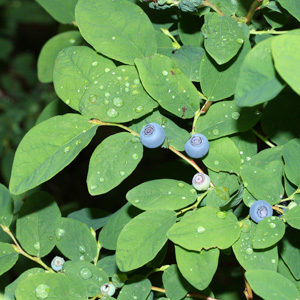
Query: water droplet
x=95, y=82
x=119, y=78
x=101, y=87
x=68, y=101
x=226, y=116
x=86, y=273
x=221, y=214
x=94, y=63
x=135, y=156
x=137, y=201
x=249, y=251
x=122, y=173
x=72, y=41
x=118, y=102
x=113, y=38
x=112, y=113
x=266, y=233
x=106, y=101
x=37, y=246
x=107, y=94
x=235, y=115
x=272, y=225
x=67, y=149
x=216, y=162
x=165, y=73
x=136, y=81
x=82, y=249
x=273, y=261
x=216, y=132
x=139, y=109
x=180, y=184
x=273, y=218
x=246, y=226
x=183, y=198
x=101, y=179
x=93, y=187
x=78, y=142
x=42, y=291
x=59, y=233
x=81, y=257
x=106, y=70
x=92, y=98
x=126, y=90
x=200, y=229
x=135, y=92
x=240, y=41
x=193, y=191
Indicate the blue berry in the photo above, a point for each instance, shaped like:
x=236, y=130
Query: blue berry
x=259, y=210
x=152, y=135
x=201, y=182
x=197, y=146
x=107, y=289
x=57, y=263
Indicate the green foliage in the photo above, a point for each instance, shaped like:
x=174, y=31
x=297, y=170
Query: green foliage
x=216, y=67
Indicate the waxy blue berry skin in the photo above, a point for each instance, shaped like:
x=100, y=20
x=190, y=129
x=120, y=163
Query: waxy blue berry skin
x=197, y=146
x=57, y=263
x=201, y=182
x=152, y=135
x=259, y=210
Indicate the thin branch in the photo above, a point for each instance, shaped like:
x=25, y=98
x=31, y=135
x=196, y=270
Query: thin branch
x=264, y=139
x=271, y=31
x=253, y=8
x=212, y=6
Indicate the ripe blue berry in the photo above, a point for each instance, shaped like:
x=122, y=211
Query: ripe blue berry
x=197, y=146
x=201, y=181
x=107, y=289
x=259, y=210
x=57, y=263
x=152, y=135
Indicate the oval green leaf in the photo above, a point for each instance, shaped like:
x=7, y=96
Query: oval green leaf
x=8, y=257
x=6, y=206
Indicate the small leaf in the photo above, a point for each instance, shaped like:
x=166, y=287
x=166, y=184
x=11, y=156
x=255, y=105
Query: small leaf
x=63, y=12
x=149, y=230
x=137, y=287
x=224, y=179
x=224, y=37
x=268, y=232
x=217, y=197
x=75, y=70
x=90, y=276
x=110, y=232
x=167, y=84
x=8, y=257
x=38, y=219
x=271, y=285
x=58, y=286
x=258, y=81
x=198, y=268
x=108, y=265
x=113, y=161
x=223, y=156
x=92, y=217
x=75, y=240
x=6, y=206
x=292, y=216
x=174, y=283
x=206, y=228
x=117, y=29
x=51, y=49
x=225, y=118
x=47, y=148
x=162, y=194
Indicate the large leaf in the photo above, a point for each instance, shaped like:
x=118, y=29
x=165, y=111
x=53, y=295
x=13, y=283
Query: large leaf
x=292, y=6
x=55, y=286
x=218, y=81
x=38, y=220
x=167, y=84
x=8, y=257
x=61, y=11
x=6, y=206
x=162, y=194
x=225, y=118
x=258, y=81
x=117, y=96
x=113, y=161
x=287, y=58
x=206, y=228
x=51, y=49
x=117, y=29
x=271, y=285
x=75, y=240
x=47, y=148
x=75, y=70
x=223, y=156
x=224, y=37
x=149, y=231
x=198, y=268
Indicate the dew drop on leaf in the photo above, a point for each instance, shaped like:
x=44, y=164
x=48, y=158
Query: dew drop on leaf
x=122, y=173
x=135, y=156
x=180, y=184
x=272, y=225
x=112, y=113
x=216, y=162
x=118, y=102
x=216, y=132
x=37, y=246
x=106, y=70
x=93, y=98
x=101, y=179
x=42, y=291
x=59, y=233
x=165, y=73
x=67, y=149
x=94, y=63
x=235, y=115
x=72, y=41
x=221, y=214
x=82, y=249
x=86, y=273
x=137, y=201
x=249, y=251
x=240, y=41
x=93, y=187
x=68, y=101
x=200, y=229
x=139, y=109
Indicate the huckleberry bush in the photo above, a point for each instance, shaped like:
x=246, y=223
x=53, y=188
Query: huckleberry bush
x=220, y=82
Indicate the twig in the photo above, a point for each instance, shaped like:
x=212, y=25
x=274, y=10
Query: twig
x=264, y=139
x=253, y=8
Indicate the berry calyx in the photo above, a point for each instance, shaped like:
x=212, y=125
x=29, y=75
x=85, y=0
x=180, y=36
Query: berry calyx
x=107, y=289
x=197, y=146
x=259, y=210
x=152, y=135
x=57, y=263
x=201, y=181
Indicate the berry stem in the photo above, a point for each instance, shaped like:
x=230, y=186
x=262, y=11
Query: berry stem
x=253, y=8
x=199, y=112
x=271, y=31
x=194, y=206
x=264, y=139
x=161, y=269
x=292, y=196
x=277, y=209
x=19, y=249
x=99, y=246
x=166, y=32
x=212, y=6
